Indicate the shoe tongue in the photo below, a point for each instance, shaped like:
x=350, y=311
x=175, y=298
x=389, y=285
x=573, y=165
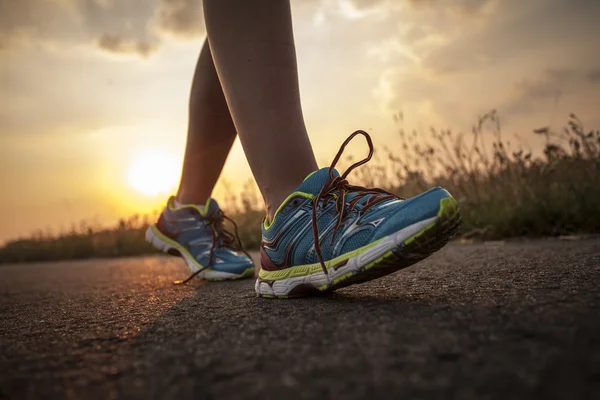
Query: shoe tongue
x=314, y=182
x=211, y=207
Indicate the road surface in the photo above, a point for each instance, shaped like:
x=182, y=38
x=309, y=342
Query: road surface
x=500, y=321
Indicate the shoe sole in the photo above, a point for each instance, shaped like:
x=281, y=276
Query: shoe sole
x=392, y=253
x=169, y=246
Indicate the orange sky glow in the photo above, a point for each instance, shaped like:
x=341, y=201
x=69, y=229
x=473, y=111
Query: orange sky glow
x=93, y=99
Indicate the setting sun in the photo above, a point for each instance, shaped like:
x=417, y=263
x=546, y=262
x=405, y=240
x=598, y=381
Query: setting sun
x=153, y=172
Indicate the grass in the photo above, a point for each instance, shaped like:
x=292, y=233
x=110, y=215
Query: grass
x=503, y=191
x=84, y=241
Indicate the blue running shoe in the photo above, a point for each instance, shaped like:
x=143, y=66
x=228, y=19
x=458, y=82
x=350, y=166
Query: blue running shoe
x=199, y=236
x=330, y=234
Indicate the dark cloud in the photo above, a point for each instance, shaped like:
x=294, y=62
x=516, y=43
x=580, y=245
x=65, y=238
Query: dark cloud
x=551, y=84
x=129, y=18
x=516, y=29
x=548, y=86
x=182, y=18
x=497, y=54
x=594, y=76
x=20, y=20
x=120, y=45
x=118, y=26
x=122, y=26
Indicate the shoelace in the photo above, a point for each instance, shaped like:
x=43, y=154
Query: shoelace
x=337, y=187
x=221, y=237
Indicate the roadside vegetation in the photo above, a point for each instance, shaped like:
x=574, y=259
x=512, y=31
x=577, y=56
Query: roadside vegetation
x=504, y=190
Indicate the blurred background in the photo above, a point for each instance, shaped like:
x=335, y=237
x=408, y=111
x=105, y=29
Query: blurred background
x=498, y=100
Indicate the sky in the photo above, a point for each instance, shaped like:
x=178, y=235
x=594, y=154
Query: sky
x=94, y=93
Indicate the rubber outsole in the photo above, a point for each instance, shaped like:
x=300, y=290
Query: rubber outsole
x=169, y=246
x=411, y=250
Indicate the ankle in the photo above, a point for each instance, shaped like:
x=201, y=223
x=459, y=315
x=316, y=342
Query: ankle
x=179, y=204
x=271, y=213
x=183, y=198
x=275, y=198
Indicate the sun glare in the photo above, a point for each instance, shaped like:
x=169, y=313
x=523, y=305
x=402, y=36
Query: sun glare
x=153, y=172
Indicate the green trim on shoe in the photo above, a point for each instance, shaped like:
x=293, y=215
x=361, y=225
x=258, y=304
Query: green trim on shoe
x=202, y=210
x=309, y=269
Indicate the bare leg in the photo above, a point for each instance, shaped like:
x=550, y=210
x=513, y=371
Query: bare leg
x=211, y=133
x=254, y=53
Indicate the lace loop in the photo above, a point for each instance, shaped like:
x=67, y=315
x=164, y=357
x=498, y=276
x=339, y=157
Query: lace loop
x=338, y=186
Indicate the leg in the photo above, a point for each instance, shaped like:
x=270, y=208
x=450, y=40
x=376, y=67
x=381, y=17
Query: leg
x=211, y=133
x=365, y=235
x=254, y=55
x=190, y=231
x=253, y=49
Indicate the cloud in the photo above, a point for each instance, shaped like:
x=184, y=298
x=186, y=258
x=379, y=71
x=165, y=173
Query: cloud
x=550, y=85
x=467, y=8
x=513, y=30
x=415, y=33
x=23, y=19
x=120, y=45
x=121, y=26
x=467, y=57
x=124, y=17
x=183, y=18
x=594, y=76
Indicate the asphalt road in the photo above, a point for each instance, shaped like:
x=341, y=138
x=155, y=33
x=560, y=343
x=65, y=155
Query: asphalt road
x=513, y=321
